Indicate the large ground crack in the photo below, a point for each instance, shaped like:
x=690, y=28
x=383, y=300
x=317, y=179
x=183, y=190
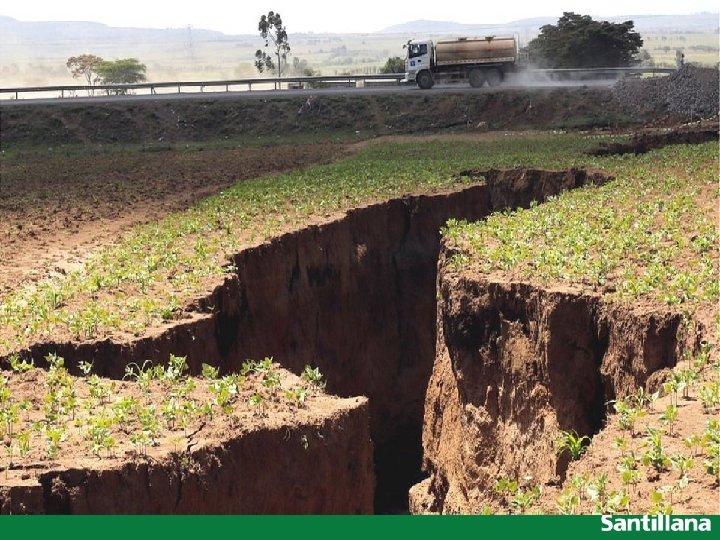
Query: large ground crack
x=355, y=297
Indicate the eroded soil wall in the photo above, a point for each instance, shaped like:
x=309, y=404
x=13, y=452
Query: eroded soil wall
x=517, y=363
x=644, y=142
x=320, y=468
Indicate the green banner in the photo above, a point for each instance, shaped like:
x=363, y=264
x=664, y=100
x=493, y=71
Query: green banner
x=360, y=527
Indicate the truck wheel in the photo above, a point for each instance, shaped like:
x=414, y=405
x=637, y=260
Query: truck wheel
x=425, y=80
x=494, y=77
x=477, y=78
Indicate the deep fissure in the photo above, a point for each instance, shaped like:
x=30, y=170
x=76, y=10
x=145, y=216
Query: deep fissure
x=355, y=297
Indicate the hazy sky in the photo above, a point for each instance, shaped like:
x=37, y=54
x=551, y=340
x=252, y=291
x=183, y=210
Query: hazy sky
x=240, y=17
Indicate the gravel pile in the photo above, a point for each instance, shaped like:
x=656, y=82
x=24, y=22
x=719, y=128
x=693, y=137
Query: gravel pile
x=690, y=92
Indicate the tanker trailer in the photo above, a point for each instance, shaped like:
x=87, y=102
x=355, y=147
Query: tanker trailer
x=479, y=60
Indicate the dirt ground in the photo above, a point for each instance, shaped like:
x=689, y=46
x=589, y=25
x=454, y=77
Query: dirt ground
x=57, y=207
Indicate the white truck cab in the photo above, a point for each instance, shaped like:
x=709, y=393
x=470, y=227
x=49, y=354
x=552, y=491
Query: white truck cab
x=419, y=54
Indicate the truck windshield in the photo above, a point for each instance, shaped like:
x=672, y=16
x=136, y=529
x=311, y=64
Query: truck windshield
x=417, y=49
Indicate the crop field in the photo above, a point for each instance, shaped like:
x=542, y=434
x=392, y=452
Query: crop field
x=156, y=270
x=651, y=234
x=136, y=262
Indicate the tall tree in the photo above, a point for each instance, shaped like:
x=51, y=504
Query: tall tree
x=272, y=31
x=85, y=66
x=123, y=71
x=577, y=41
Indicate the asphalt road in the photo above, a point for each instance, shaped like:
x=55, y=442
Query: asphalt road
x=265, y=94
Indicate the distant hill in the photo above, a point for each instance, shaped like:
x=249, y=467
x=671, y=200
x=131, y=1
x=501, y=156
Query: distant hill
x=14, y=32
x=698, y=22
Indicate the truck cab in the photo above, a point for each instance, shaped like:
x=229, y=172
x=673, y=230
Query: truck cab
x=419, y=58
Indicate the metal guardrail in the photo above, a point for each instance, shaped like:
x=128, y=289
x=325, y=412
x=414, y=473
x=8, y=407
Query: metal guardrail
x=301, y=82
x=306, y=82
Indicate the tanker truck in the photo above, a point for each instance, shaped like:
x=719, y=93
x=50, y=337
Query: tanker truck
x=479, y=60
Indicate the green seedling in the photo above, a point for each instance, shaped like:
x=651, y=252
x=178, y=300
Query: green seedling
x=579, y=483
x=659, y=504
x=176, y=369
x=682, y=464
x=19, y=365
x=206, y=410
x=26, y=406
x=256, y=400
x=143, y=375
x=297, y=395
x=85, y=367
x=176, y=443
x=171, y=410
x=597, y=491
x=655, y=455
x=313, y=376
x=572, y=443
x=271, y=380
x=627, y=416
x=251, y=366
x=99, y=391
x=711, y=442
x=23, y=439
x=568, y=502
x=703, y=358
x=630, y=477
x=53, y=437
x=669, y=417
x=621, y=443
x=688, y=378
x=209, y=372
x=710, y=396
x=123, y=410
x=525, y=498
x=9, y=417
x=617, y=502
x=225, y=391
x=100, y=435
x=675, y=385
x=141, y=439
x=694, y=443
x=644, y=399
x=519, y=498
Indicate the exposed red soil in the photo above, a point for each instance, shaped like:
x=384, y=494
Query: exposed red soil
x=54, y=209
